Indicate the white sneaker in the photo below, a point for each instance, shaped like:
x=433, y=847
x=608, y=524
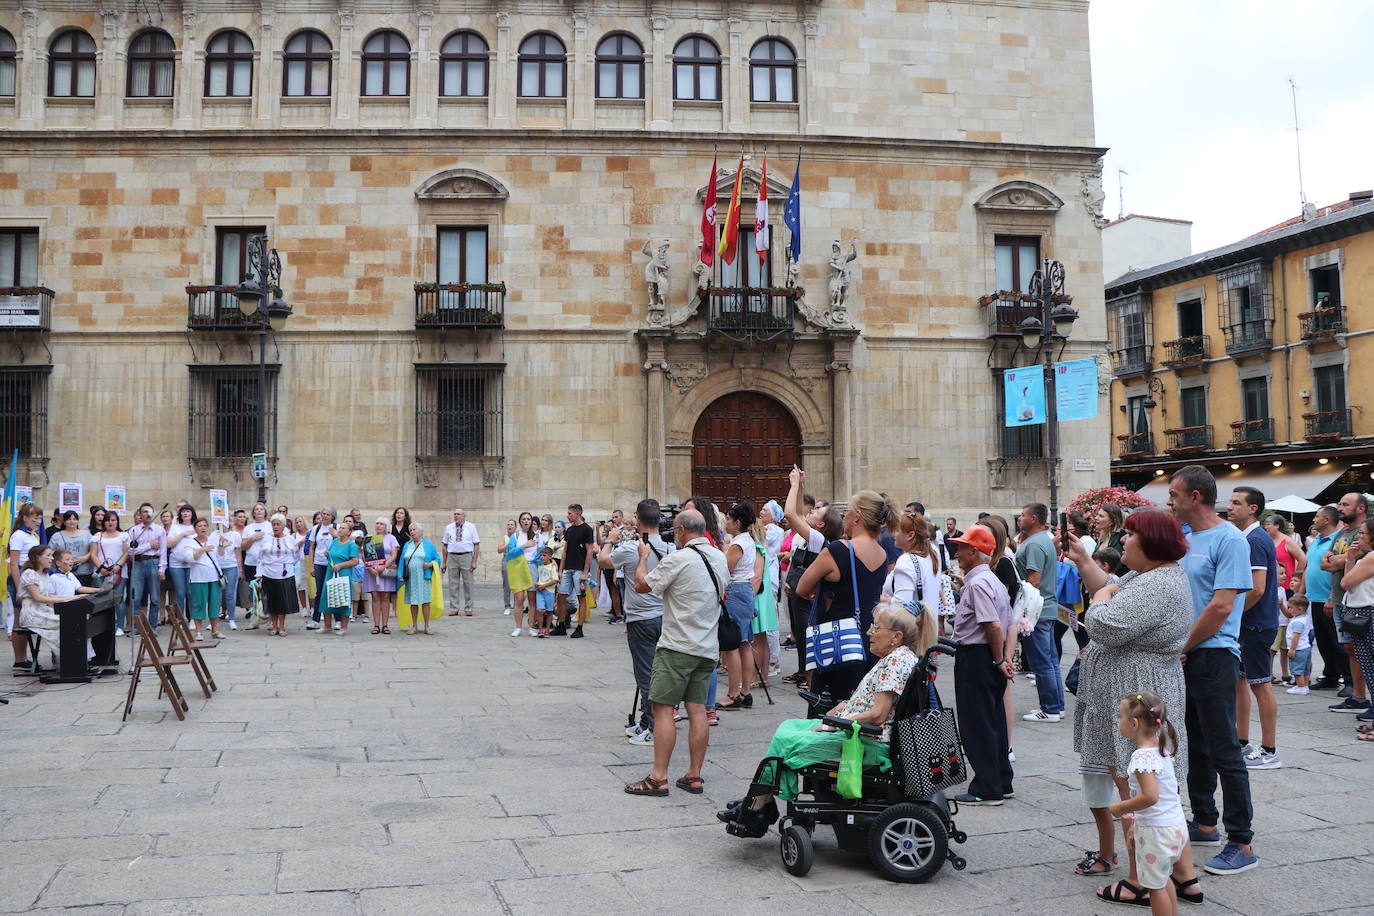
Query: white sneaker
x=643, y=739
x=1263, y=760
x=1041, y=716
x=515, y=632
x=1011, y=755
x=507, y=612
x=233, y=626
x=336, y=628
x=312, y=625
x=530, y=632
x=632, y=730
x=119, y=632
x=1300, y=691
x=1030, y=678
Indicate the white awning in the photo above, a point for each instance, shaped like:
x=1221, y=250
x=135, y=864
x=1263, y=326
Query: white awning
x=1272, y=482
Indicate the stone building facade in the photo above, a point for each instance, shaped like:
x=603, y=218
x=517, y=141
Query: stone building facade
x=391, y=150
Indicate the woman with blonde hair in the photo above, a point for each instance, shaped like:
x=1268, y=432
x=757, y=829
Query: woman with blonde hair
x=916, y=574
x=852, y=571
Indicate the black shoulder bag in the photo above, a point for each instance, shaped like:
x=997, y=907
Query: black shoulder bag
x=728, y=635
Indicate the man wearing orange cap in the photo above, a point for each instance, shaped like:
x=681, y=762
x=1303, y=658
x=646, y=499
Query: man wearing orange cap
x=982, y=667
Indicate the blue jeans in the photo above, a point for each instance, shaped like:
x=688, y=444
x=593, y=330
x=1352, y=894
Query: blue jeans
x=711, y=690
x=231, y=590
x=1043, y=660
x=146, y=586
x=321, y=569
x=181, y=587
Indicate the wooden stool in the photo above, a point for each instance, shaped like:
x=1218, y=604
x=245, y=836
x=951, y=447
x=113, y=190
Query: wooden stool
x=150, y=655
x=182, y=640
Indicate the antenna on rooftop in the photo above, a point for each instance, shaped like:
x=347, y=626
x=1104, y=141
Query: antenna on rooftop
x=1297, y=143
x=1121, y=193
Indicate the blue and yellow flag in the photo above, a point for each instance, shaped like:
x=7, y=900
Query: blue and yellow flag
x=791, y=213
x=7, y=510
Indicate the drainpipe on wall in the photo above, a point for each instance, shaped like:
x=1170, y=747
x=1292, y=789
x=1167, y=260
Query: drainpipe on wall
x=1287, y=350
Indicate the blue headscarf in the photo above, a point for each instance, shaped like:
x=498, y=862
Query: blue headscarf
x=773, y=507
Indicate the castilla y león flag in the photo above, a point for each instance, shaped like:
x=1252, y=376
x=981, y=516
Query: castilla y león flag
x=730, y=237
x=708, y=220
x=761, y=216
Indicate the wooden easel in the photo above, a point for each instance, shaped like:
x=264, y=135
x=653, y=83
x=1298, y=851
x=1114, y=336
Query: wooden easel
x=183, y=641
x=150, y=655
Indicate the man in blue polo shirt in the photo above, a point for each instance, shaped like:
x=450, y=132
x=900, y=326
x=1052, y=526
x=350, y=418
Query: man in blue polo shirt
x=1218, y=568
x=1335, y=664
x=1259, y=626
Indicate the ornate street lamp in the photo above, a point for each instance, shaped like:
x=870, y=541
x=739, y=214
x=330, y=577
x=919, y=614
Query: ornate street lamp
x=260, y=300
x=1047, y=286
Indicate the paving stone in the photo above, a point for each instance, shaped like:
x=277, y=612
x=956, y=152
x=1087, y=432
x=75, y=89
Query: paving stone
x=156, y=878
x=23, y=883
x=327, y=869
x=312, y=903
x=589, y=894
x=478, y=898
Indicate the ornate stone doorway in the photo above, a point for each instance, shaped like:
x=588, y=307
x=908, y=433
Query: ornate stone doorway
x=743, y=446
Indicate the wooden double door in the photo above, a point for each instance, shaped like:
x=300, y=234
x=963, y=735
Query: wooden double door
x=743, y=446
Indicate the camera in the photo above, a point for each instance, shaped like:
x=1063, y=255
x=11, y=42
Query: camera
x=665, y=520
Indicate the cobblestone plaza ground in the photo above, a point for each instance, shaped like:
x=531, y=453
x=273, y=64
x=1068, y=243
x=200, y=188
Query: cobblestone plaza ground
x=475, y=773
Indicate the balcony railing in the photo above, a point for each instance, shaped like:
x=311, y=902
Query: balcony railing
x=754, y=313
x=1327, y=425
x=1135, y=445
x=1188, y=440
x=1256, y=334
x=214, y=308
x=1323, y=322
x=1006, y=310
x=460, y=305
x=1185, y=351
x=1132, y=360
x=25, y=308
x=1252, y=433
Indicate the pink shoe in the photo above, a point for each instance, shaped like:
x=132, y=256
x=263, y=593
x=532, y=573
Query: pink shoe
x=711, y=719
x=678, y=715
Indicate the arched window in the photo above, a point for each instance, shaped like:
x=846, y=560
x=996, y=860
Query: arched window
x=71, y=65
x=543, y=65
x=229, y=65
x=386, y=64
x=463, y=65
x=152, y=65
x=619, y=68
x=308, y=64
x=772, y=72
x=7, y=63
x=696, y=69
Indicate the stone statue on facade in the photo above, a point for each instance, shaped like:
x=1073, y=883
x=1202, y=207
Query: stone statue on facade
x=656, y=279
x=701, y=272
x=841, y=280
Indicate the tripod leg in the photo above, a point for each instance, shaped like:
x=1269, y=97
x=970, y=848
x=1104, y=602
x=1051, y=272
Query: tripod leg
x=763, y=682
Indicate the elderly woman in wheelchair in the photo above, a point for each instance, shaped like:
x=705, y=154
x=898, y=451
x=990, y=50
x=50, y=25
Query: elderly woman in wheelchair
x=899, y=636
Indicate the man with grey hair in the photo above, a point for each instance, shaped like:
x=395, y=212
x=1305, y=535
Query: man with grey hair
x=982, y=668
x=690, y=580
x=462, y=546
x=318, y=541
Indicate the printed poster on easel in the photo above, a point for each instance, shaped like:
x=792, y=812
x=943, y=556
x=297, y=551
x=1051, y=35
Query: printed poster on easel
x=23, y=495
x=115, y=499
x=219, y=507
x=69, y=497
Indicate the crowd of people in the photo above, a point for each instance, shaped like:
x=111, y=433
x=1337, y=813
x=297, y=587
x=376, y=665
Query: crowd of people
x=1178, y=616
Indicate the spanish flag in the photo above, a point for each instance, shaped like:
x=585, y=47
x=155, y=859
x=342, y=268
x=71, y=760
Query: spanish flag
x=729, y=239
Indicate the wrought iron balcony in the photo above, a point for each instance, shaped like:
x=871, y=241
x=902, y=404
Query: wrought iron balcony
x=1328, y=425
x=1252, y=433
x=1323, y=322
x=1006, y=310
x=1133, y=360
x=751, y=313
x=1186, y=351
x=460, y=305
x=1188, y=440
x=1135, y=445
x=214, y=308
x=1248, y=336
x=25, y=308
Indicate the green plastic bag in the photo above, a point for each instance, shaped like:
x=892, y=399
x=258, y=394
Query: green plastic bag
x=850, y=781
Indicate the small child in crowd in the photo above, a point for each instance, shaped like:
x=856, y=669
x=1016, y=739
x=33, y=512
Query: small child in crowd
x=544, y=585
x=1109, y=559
x=1299, y=643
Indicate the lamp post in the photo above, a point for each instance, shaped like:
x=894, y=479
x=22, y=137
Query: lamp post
x=1039, y=336
x=260, y=300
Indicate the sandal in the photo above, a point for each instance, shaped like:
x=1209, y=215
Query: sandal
x=376, y=630
x=386, y=631
x=1089, y=866
x=648, y=786
x=1365, y=728
x=1195, y=898
x=1364, y=736
x=731, y=705
x=1112, y=894
x=691, y=784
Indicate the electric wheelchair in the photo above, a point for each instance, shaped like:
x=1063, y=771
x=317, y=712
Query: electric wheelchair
x=902, y=821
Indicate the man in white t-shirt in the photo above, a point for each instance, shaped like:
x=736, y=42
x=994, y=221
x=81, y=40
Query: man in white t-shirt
x=321, y=539
x=462, y=547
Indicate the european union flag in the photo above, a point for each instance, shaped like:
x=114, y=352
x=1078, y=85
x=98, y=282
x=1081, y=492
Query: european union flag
x=791, y=214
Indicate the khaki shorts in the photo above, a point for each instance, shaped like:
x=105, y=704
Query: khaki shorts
x=1156, y=851
x=680, y=678
x=1280, y=641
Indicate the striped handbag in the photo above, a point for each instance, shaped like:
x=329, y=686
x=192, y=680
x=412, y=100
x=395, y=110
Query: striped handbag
x=835, y=642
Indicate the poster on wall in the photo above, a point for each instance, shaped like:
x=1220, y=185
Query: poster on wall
x=69, y=497
x=1024, y=395
x=1075, y=389
x=114, y=499
x=219, y=507
x=23, y=495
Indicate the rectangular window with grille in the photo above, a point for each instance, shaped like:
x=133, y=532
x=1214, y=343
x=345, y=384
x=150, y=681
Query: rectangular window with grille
x=224, y=409
x=458, y=411
x=1016, y=441
x=24, y=411
x=1247, y=306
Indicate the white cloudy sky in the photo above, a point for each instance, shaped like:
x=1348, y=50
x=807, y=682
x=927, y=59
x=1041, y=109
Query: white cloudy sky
x=1192, y=97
